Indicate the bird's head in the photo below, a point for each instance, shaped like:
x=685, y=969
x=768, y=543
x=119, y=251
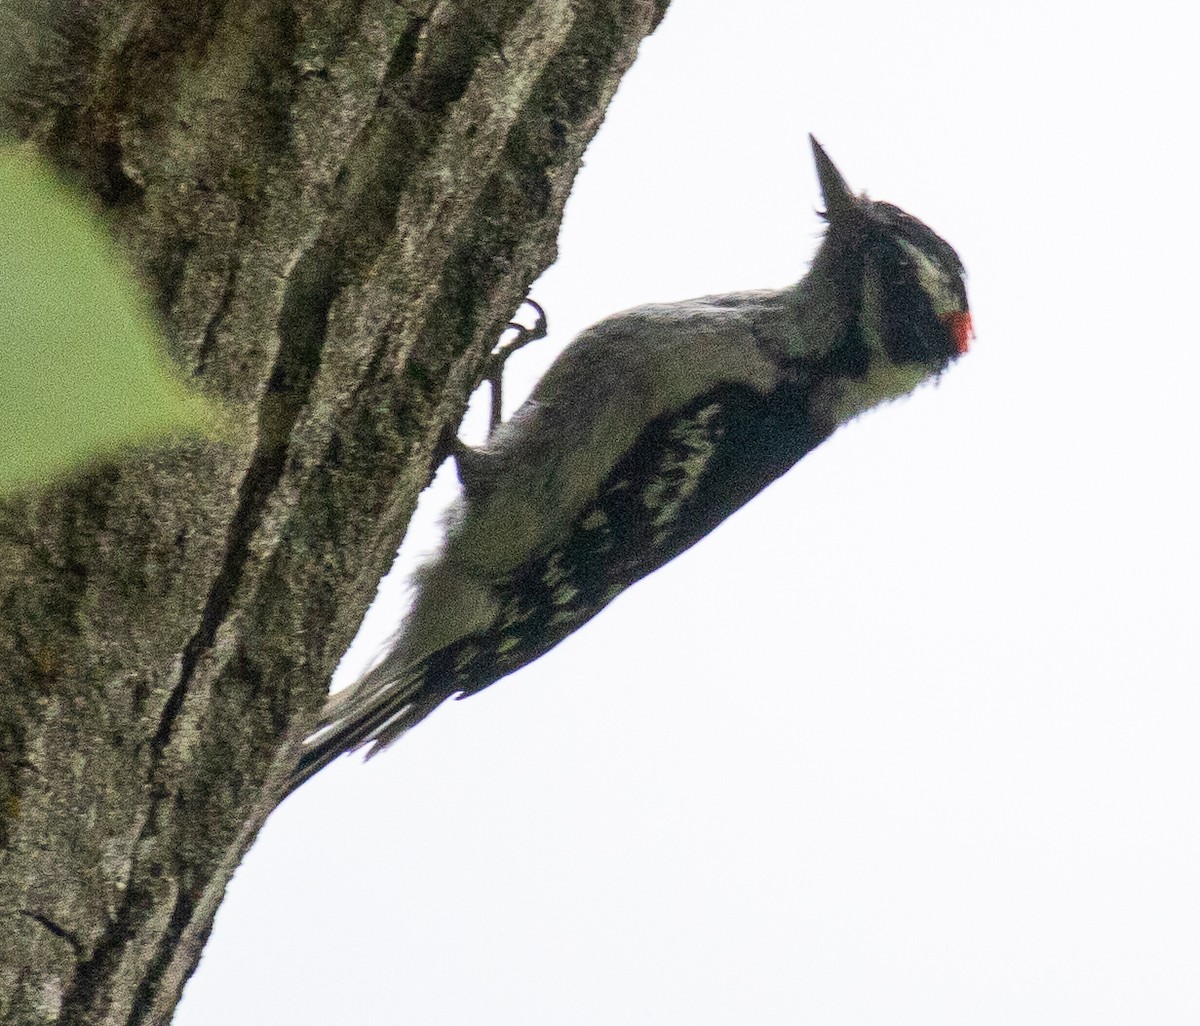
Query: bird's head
x=900, y=284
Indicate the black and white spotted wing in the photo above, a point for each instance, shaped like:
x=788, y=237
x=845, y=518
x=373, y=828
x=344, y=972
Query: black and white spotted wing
x=686, y=474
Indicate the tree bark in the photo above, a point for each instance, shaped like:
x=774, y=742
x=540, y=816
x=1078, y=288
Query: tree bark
x=337, y=206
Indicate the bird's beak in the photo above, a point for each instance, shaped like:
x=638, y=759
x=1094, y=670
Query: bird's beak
x=834, y=190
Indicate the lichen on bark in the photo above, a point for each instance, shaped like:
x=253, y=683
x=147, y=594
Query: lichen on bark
x=335, y=207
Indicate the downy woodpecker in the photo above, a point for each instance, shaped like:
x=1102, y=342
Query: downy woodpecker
x=648, y=430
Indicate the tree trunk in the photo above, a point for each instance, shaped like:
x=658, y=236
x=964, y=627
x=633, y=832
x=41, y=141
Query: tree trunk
x=336, y=205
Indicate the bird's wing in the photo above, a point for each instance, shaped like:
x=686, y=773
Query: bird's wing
x=528, y=485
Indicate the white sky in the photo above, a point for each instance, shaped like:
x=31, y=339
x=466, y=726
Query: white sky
x=912, y=738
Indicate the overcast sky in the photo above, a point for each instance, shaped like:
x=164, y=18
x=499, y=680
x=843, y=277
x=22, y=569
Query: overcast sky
x=912, y=738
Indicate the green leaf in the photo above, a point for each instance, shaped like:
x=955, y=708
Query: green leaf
x=83, y=371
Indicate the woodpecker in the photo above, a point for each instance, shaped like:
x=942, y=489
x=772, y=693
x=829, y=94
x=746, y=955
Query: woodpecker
x=649, y=429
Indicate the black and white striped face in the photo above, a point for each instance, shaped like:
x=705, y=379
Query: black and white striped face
x=903, y=303
x=912, y=316
x=911, y=279
x=923, y=259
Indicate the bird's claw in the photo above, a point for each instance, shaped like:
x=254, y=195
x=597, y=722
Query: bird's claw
x=494, y=372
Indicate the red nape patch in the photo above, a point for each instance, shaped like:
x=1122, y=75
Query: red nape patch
x=961, y=329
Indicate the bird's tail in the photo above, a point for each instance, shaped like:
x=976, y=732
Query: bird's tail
x=376, y=710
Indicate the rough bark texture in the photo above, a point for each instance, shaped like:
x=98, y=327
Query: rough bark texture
x=337, y=205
